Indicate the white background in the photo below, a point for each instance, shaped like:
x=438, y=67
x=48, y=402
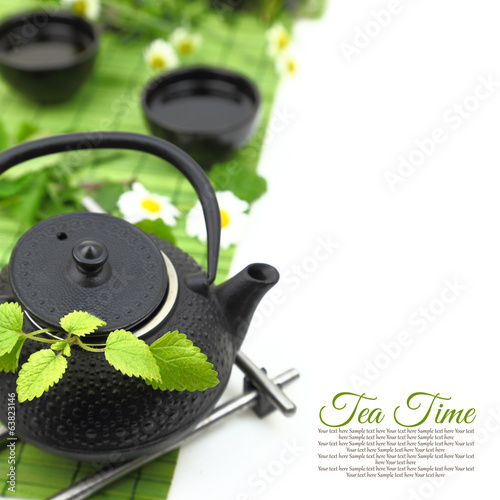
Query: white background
x=326, y=172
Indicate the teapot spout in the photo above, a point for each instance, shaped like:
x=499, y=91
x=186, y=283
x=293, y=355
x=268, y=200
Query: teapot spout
x=240, y=296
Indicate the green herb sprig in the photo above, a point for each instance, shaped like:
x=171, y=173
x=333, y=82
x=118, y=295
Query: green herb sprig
x=171, y=363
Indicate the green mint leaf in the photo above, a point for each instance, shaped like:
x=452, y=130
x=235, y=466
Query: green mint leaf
x=182, y=366
x=158, y=228
x=11, y=325
x=131, y=356
x=11, y=316
x=27, y=206
x=26, y=130
x=62, y=346
x=10, y=188
x=107, y=195
x=42, y=370
x=9, y=362
x=81, y=323
x=244, y=182
x=4, y=137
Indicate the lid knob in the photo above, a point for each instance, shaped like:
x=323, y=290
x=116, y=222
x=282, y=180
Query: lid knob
x=90, y=256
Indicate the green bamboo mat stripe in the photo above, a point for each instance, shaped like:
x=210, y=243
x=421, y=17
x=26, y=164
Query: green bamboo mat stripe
x=40, y=475
x=110, y=101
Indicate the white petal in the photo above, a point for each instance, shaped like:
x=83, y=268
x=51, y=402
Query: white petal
x=282, y=64
x=169, y=215
x=159, y=45
x=93, y=9
x=274, y=35
x=178, y=35
x=235, y=231
x=139, y=189
x=195, y=223
x=181, y=36
x=229, y=202
x=128, y=202
x=130, y=205
x=275, y=31
x=164, y=50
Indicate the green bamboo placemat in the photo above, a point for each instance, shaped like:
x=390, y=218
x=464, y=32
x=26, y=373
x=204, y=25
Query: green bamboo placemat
x=110, y=101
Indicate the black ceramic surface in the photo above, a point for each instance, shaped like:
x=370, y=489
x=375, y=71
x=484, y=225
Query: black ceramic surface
x=47, y=56
x=95, y=413
x=208, y=112
x=124, y=290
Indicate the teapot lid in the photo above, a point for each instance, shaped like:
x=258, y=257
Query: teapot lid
x=88, y=262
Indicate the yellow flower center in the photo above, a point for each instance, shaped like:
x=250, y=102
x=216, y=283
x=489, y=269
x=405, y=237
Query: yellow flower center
x=186, y=46
x=225, y=219
x=150, y=205
x=80, y=8
x=291, y=67
x=157, y=62
x=283, y=40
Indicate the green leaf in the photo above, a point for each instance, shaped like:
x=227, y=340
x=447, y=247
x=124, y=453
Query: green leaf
x=158, y=228
x=28, y=205
x=81, y=323
x=182, y=366
x=11, y=316
x=31, y=167
x=42, y=370
x=25, y=131
x=4, y=137
x=243, y=182
x=9, y=188
x=131, y=356
x=62, y=346
x=11, y=325
x=313, y=9
x=63, y=194
x=9, y=362
x=107, y=196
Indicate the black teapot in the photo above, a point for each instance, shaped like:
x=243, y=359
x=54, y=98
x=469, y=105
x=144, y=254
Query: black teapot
x=134, y=281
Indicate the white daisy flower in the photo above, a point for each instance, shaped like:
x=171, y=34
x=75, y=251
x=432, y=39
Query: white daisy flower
x=184, y=42
x=286, y=64
x=160, y=55
x=233, y=219
x=139, y=204
x=90, y=9
x=278, y=40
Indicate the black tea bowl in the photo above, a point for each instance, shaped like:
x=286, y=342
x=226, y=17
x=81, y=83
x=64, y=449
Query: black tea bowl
x=47, y=56
x=208, y=112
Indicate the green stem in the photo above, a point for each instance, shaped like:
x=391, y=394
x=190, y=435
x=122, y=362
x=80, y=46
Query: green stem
x=138, y=16
x=36, y=339
x=38, y=332
x=86, y=347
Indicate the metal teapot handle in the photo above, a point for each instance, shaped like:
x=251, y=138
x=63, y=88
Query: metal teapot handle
x=137, y=142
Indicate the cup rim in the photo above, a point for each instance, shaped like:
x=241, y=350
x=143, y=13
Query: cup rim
x=244, y=84
x=76, y=22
